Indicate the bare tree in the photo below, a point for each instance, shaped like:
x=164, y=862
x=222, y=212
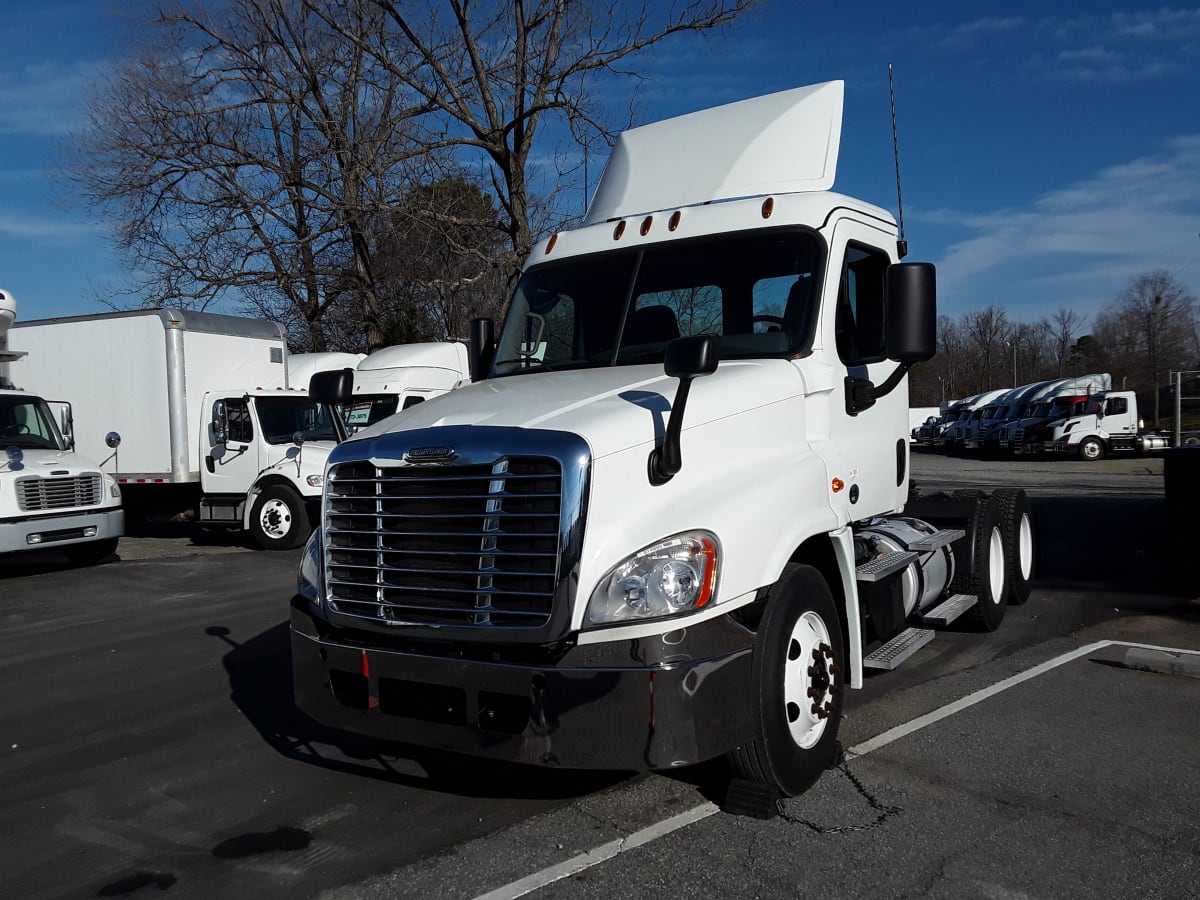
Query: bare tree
x=493, y=72
x=244, y=150
x=1155, y=313
x=987, y=330
x=1063, y=328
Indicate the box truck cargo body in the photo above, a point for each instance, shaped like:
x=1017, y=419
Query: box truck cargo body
x=144, y=374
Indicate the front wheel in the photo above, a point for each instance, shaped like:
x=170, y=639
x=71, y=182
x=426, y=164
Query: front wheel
x=797, y=685
x=278, y=519
x=1091, y=449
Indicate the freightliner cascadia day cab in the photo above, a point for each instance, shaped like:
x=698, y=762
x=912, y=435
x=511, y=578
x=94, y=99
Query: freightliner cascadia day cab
x=662, y=524
x=206, y=419
x=389, y=380
x=50, y=496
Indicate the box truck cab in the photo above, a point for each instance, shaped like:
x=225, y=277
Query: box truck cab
x=50, y=496
x=660, y=524
x=264, y=457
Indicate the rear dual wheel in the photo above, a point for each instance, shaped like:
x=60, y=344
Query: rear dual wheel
x=1016, y=518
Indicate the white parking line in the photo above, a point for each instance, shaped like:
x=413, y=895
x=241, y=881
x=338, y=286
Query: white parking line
x=604, y=852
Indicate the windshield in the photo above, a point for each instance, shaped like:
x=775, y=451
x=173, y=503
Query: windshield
x=282, y=417
x=367, y=410
x=757, y=291
x=26, y=422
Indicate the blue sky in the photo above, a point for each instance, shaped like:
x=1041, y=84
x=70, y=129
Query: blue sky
x=1047, y=156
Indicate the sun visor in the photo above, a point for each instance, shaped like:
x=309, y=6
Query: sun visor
x=777, y=144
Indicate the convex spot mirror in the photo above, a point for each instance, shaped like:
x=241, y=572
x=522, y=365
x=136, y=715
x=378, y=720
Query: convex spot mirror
x=334, y=387
x=911, y=312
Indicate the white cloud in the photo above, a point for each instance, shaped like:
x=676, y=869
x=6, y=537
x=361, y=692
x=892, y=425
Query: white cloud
x=45, y=99
x=1080, y=245
x=30, y=228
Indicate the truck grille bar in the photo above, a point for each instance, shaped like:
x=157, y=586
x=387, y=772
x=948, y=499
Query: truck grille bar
x=35, y=494
x=466, y=544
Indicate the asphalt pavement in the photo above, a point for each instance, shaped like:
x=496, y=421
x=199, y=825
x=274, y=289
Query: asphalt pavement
x=149, y=745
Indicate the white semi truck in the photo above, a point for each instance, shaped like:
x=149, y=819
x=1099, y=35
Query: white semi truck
x=1109, y=424
x=389, y=380
x=667, y=521
x=202, y=404
x=50, y=496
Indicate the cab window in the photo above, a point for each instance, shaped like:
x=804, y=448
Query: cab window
x=860, y=325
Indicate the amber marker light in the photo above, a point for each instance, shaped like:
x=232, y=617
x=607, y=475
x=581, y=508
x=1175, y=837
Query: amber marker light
x=619, y=230
x=768, y=207
x=646, y=225
x=674, y=221
x=708, y=551
x=550, y=243
x=837, y=485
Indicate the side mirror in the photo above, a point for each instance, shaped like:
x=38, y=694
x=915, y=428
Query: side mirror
x=691, y=357
x=334, y=387
x=911, y=312
x=220, y=422
x=298, y=438
x=112, y=440
x=66, y=422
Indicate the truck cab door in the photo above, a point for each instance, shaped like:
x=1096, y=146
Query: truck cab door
x=1119, y=419
x=228, y=449
x=872, y=443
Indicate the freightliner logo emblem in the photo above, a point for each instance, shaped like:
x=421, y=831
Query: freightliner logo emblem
x=430, y=455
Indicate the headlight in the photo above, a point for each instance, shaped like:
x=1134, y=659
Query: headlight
x=315, y=480
x=310, y=577
x=114, y=489
x=673, y=576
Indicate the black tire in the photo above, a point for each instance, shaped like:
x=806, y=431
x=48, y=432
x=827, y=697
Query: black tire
x=91, y=553
x=278, y=519
x=1016, y=516
x=983, y=572
x=793, y=744
x=1091, y=448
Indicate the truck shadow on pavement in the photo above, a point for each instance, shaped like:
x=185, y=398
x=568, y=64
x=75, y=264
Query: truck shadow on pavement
x=1112, y=544
x=260, y=681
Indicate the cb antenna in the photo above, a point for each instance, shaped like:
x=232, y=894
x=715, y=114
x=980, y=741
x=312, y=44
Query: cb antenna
x=901, y=244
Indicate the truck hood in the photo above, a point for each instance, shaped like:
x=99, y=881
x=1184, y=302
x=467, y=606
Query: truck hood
x=613, y=408
x=47, y=462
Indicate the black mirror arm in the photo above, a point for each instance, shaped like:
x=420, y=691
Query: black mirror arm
x=861, y=394
x=667, y=460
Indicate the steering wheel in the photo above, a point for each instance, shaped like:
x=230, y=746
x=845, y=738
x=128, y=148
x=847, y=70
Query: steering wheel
x=774, y=320
x=12, y=430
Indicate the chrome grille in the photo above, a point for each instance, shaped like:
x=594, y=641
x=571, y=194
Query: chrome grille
x=473, y=545
x=35, y=493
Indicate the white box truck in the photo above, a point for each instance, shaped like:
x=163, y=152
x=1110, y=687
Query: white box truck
x=202, y=404
x=670, y=519
x=50, y=496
